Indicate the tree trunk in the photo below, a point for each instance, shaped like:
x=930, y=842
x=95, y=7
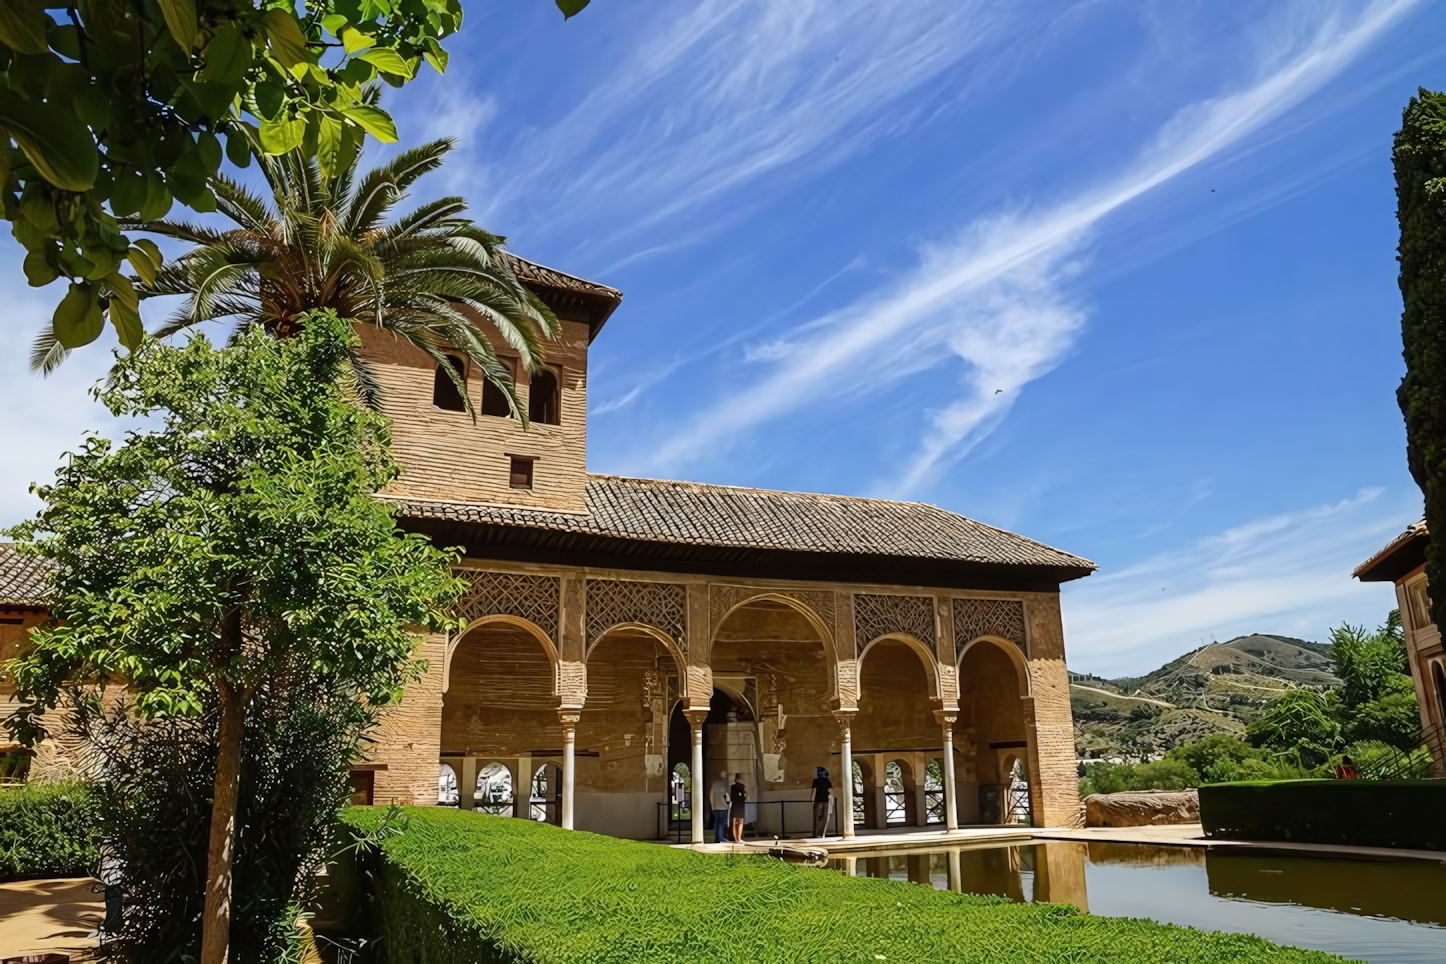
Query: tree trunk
x=1420, y=159
x=216, y=921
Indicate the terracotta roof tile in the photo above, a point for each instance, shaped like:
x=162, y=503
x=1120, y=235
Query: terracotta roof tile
x=540, y=274
x=24, y=580
x=694, y=513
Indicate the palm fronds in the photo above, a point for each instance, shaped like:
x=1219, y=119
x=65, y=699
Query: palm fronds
x=429, y=276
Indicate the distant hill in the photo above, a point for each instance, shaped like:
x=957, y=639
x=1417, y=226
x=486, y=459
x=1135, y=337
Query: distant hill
x=1218, y=688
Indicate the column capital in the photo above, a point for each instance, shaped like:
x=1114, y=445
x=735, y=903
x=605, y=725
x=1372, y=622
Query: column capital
x=696, y=717
x=845, y=715
x=569, y=715
x=947, y=716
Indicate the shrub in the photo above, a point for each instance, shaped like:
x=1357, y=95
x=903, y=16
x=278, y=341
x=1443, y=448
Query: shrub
x=1164, y=774
x=1212, y=754
x=1363, y=813
x=1392, y=717
x=48, y=830
x=458, y=886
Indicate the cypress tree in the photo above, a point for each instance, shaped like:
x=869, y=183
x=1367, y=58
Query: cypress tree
x=1420, y=160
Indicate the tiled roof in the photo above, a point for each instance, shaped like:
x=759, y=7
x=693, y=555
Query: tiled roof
x=1382, y=567
x=24, y=580
x=532, y=272
x=692, y=513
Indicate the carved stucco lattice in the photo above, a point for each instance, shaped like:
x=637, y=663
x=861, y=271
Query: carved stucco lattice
x=878, y=615
x=721, y=599
x=660, y=604
x=988, y=617
x=534, y=598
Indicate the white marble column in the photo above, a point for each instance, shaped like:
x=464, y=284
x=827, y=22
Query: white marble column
x=846, y=754
x=696, y=719
x=569, y=720
x=951, y=799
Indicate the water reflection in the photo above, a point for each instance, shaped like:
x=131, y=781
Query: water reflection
x=1382, y=911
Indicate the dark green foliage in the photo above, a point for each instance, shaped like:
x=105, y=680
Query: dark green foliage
x=300, y=739
x=48, y=830
x=1367, y=661
x=1393, y=717
x=1213, y=756
x=1302, y=721
x=1362, y=813
x=229, y=556
x=1420, y=160
x=1167, y=774
x=461, y=887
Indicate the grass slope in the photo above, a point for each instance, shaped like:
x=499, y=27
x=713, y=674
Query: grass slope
x=459, y=886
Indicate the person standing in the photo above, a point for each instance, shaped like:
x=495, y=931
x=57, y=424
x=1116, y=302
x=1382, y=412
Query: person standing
x=718, y=798
x=738, y=810
x=822, y=793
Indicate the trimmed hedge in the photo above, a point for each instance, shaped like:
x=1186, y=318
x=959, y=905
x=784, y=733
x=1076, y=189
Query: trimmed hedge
x=1361, y=813
x=48, y=830
x=457, y=887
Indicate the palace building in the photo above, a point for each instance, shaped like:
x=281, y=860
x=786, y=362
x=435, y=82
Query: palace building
x=1403, y=561
x=628, y=639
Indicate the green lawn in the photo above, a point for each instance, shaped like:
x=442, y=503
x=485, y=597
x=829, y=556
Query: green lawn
x=458, y=886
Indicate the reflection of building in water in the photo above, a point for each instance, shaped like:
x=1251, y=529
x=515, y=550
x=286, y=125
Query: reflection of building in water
x=616, y=628
x=1052, y=872
x=1403, y=562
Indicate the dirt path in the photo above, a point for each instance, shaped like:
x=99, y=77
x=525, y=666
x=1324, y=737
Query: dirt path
x=1121, y=696
x=49, y=916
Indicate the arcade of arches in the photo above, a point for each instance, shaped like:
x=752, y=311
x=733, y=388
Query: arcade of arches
x=609, y=701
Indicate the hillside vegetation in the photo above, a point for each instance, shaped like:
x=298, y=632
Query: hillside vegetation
x=1218, y=688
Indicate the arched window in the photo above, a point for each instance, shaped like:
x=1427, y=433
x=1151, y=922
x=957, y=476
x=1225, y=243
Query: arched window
x=860, y=805
x=494, y=400
x=446, y=786
x=444, y=390
x=542, y=398
x=494, y=790
x=934, y=791
x=896, y=794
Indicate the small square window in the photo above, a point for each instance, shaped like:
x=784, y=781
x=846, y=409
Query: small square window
x=521, y=473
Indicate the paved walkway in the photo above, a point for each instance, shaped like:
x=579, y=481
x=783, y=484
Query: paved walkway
x=49, y=916
x=1172, y=835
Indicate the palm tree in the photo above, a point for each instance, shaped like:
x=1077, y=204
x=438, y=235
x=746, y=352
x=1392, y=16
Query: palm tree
x=428, y=276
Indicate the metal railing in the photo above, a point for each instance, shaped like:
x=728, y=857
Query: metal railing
x=675, y=822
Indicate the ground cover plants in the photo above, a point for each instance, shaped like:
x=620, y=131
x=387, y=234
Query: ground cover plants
x=455, y=886
x=47, y=830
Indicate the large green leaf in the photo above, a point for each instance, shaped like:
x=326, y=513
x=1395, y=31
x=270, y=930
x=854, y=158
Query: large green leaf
x=55, y=141
x=280, y=136
x=77, y=319
x=288, y=43
x=38, y=270
x=181, y=19
x=228, y=56
x=387, y=61
x=127, y=323
x=22, y=26
x=571, y=8
x=373, y=120
x=353, y=40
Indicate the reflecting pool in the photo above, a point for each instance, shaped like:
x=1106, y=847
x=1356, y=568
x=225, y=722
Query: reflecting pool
x=1382, y=911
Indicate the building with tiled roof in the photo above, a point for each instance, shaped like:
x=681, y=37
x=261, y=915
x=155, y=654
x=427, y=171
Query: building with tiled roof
x=1403, y=561
x=626, y=637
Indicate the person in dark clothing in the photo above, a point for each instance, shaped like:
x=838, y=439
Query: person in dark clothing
x=737, y=798
x=822, y=793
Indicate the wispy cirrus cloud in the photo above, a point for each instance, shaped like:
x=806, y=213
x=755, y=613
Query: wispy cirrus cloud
x=710, y=102
x=1288, y=573
x=998, y=297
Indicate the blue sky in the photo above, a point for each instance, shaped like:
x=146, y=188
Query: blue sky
x=1119, y=276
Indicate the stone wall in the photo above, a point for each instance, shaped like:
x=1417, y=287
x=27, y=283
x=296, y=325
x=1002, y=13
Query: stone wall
x=447, y=456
